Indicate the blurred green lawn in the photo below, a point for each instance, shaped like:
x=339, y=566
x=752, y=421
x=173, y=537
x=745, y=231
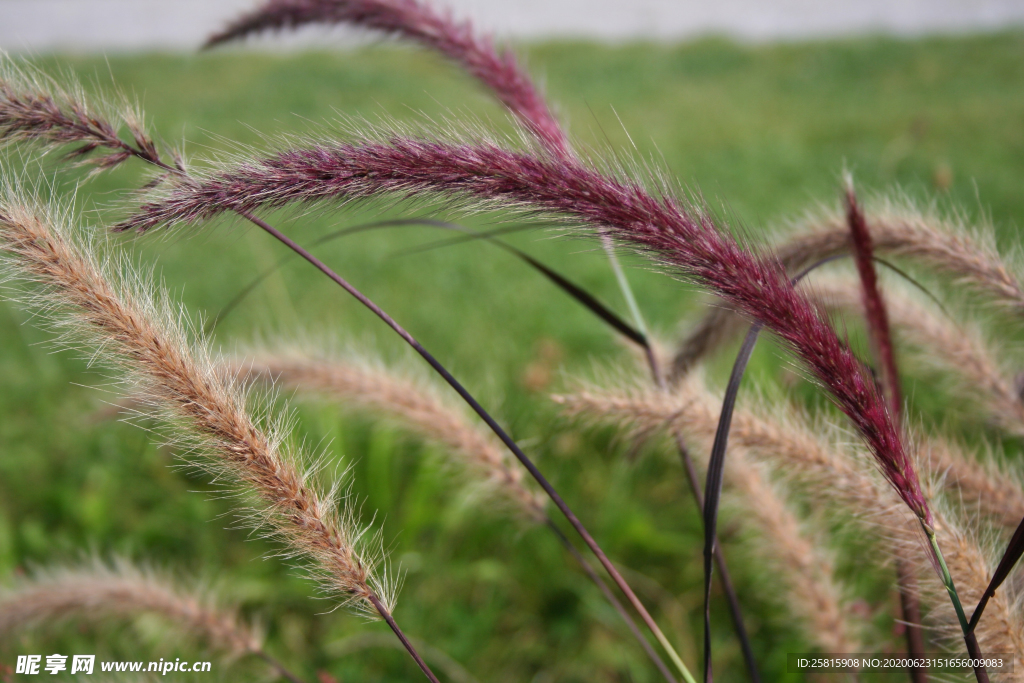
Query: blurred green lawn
x=762, y=132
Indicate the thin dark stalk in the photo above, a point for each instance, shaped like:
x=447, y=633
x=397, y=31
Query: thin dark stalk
x=405, y=641
x=735, y=612
x=230, y=306
x=148, y=152
x=493, y=425
x=725, y=579
x=716, y=463
x=713, y=483
x=1014, y=550
x=280, y=668
x=619, y=607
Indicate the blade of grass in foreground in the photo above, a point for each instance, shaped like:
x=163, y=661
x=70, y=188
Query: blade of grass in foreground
x=1012, y=554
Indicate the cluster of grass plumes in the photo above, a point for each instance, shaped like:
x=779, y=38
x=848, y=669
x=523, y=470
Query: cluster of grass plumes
x=814, y=459
x=945, y=244
x=36, y=108
x=682, y=237
x=910, y=494
x=140, y=335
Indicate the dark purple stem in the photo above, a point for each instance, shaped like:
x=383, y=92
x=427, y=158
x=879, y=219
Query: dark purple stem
x=619, y=607
x=698, y=496
x=478, y=409
x=401, y=636
x=881, y=338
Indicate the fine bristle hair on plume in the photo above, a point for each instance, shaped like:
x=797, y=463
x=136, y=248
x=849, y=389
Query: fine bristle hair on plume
x=971, y=558
x=36, y=108
x=821, y=467
x=359, y=380
x=947, y=245
x=682, y=238
x=99, y=591
x=107, y=308
x=419, y=22
x=804, y=447
x=805, y=567
x=954, y=345
x=814, y=593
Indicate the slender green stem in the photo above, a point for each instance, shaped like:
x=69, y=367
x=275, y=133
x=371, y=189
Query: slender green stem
x=627, y=291
x=947, y=581
x=970, y=639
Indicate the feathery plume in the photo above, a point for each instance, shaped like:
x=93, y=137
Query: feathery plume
x=683, y=239
x=814, y=594
x=138, y=333
x=801, y=454
x=957, y=347
x=120, y=590
x=972, y=565
x=813, y=591
x=35, y=108
x=807, y=447
x=368, y=384
x=417, y=21
x=874, y=304
x=945, y=245
x=986, y=484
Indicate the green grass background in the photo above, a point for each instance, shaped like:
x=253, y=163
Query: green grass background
x=762, y=131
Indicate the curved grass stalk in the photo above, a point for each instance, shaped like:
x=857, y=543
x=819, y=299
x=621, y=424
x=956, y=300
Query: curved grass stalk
x=812, y=591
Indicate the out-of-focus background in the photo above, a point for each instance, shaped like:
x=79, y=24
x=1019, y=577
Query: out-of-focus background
x=154, y=24
x=923, y=99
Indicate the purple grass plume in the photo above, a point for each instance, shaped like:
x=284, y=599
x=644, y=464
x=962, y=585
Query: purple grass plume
x=419, y=22
x=678, y=235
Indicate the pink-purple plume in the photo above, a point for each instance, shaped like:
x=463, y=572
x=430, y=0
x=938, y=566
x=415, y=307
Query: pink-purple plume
x=418, y=21
x=672, y=232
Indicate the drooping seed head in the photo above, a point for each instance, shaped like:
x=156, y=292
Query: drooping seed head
x=681, y=238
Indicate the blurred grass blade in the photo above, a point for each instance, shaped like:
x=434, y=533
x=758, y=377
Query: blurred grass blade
x=1010, y=557
x=582, y=296
x=572, y=289
x=226, y=310
x=913, y=281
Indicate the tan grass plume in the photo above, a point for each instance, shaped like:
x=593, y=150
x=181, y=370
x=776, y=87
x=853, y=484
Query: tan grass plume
x=809, y=454
x=98, y=591
x=957, y=347
x=111, y=309
x=414, y=403
x=945, y=245
x=814, y=592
